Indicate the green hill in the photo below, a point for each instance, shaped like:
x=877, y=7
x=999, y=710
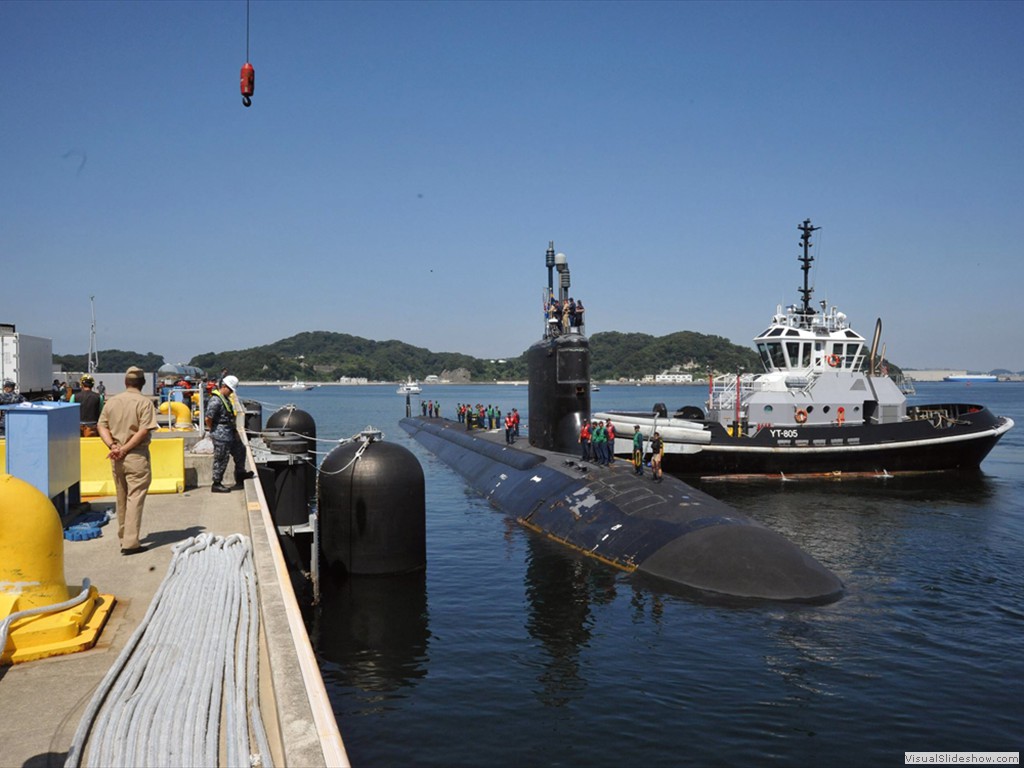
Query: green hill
x=327, y=356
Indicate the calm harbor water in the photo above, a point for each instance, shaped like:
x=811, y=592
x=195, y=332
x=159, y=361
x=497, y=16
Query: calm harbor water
x=511, y=650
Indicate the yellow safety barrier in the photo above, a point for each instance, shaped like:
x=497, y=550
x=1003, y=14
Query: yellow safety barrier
x=166, y=456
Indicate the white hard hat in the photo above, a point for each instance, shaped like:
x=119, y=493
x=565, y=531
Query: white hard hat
x=231, y=382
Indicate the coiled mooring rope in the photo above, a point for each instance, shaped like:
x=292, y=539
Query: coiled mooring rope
x=188, y=673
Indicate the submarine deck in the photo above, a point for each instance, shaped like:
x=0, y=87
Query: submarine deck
x=666, y=530
x=42, y=702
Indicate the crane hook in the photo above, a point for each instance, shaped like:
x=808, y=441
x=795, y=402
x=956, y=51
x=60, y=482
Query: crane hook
x=248, y=83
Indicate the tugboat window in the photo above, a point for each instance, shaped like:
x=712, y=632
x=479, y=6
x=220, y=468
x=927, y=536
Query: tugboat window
x=775, y=353
x=799, y=354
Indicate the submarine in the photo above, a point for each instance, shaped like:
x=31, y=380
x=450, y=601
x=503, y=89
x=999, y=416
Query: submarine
x=668, y=533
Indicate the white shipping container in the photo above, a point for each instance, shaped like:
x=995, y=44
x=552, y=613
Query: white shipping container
x=27, y=361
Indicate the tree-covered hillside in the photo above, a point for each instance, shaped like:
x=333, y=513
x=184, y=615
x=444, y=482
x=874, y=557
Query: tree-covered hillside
x=327, y=356
x=632, y=355
x=110, y=360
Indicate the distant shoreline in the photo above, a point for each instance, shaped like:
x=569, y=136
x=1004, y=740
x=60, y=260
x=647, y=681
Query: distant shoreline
x=519, y=383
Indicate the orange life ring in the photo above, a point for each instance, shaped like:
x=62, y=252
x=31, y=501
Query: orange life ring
x=801, y=416
x=833, y=360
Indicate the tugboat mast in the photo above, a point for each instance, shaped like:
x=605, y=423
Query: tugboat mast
x=805, y=264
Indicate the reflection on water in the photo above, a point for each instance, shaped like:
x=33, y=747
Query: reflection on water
x=561, y=592
x=854, y=524
x=531, y=655
x=372, y=632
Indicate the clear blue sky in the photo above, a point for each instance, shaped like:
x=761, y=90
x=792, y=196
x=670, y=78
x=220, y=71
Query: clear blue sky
x=404, y=165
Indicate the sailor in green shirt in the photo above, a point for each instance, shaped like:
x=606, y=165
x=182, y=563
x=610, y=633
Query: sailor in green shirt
x=599, y=441
x=638, y=450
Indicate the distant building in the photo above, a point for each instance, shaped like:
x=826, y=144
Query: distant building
x=931, y=375
x=673, y=376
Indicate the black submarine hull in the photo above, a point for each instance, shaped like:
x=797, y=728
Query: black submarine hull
x=666, y=531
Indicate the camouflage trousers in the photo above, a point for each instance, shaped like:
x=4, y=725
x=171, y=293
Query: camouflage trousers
x=222, y=449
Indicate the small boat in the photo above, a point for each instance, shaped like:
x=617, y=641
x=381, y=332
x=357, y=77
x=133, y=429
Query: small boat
x=594, y=388
x=824, y=405
x=297, y=386
x=971, y=378
x=410, y=387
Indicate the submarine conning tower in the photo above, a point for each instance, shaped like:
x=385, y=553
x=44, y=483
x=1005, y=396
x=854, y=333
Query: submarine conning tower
x=559, y=368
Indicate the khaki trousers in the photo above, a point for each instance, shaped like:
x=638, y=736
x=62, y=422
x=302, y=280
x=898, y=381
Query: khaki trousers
x=132, y=476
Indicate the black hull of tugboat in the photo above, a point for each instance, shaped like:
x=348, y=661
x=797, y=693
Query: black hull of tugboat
x=909, y=446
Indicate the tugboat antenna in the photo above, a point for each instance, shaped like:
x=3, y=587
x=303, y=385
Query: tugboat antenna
x=805, y=264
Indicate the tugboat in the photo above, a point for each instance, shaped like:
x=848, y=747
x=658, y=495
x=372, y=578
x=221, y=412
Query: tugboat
x=824, y=404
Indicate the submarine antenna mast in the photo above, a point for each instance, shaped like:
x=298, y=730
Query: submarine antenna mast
x=549, y=261
x=805, y=264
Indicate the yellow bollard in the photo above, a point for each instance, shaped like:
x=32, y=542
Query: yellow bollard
x=31, y=546
x=32, y=577
x=182, y=413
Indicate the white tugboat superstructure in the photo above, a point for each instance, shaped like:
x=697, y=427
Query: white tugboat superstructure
x=824, y=404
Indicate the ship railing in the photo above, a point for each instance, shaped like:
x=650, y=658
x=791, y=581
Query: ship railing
x=830, y=320
x=553, y=321
x=724, y=391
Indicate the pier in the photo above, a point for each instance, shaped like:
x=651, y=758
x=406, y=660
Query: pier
x=42, y=702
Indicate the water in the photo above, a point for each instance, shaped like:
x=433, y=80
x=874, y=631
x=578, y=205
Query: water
x=513, y=651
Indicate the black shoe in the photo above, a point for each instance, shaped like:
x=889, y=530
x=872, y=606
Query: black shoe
x=134, y=550
x=244, y=476
x=220, y=488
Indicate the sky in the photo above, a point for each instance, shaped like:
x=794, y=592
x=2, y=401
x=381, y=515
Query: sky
x=404, y=165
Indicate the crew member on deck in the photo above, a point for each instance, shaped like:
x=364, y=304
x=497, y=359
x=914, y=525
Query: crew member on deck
x=638, y=451
x=9, y=397
x=89, y=406
x=222, y=423
x=657, y=451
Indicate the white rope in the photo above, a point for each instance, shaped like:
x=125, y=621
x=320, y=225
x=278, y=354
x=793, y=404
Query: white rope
x=5, y=625
x=365, y=440
x=188, y=672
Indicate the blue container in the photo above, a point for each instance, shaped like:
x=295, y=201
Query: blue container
x=43, y=447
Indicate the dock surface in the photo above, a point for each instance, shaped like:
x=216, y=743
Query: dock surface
x=42, y=702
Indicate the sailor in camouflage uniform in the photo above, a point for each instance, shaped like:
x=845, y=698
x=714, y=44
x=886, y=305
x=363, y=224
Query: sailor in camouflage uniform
x=222, y=426
x=9, y=397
